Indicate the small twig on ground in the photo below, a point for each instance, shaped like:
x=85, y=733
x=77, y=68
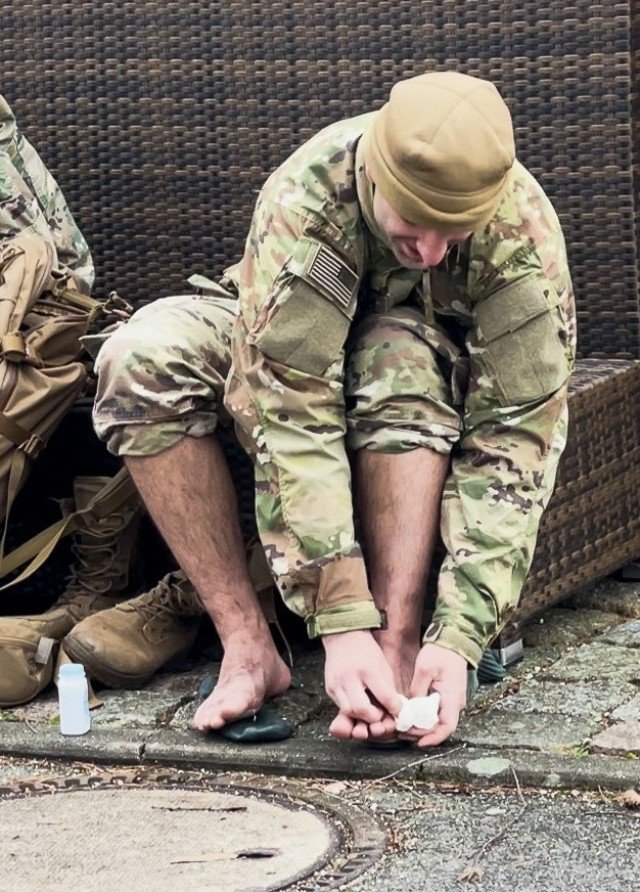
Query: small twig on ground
x=481, y=851
x=387, y=777
x=518, y=787
x=199, y=808
x=405, y=785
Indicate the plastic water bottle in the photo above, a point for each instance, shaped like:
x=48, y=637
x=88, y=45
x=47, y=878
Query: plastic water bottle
x=73, y=697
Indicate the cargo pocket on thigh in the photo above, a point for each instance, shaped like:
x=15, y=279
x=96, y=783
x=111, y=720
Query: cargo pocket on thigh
x=521, y=342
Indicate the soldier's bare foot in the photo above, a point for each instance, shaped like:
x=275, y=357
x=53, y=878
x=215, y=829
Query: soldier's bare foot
x=246, y=680
x=344, y=727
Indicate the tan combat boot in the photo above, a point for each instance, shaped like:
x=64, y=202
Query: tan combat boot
x=100, y=577
x=126, y=645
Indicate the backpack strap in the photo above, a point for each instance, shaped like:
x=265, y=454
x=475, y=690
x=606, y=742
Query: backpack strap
x=29, y=445
x=37, y=549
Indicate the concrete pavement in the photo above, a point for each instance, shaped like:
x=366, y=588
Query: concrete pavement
x=567, y=716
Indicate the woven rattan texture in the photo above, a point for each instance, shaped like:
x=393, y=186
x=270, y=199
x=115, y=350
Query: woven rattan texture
x=161, y=119
x=592, y=524
x=635, y=114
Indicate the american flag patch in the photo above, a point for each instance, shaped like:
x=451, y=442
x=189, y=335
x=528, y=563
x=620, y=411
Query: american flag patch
x=330, y=274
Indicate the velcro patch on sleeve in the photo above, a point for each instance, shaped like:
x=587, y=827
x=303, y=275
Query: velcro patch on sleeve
x=330, y=274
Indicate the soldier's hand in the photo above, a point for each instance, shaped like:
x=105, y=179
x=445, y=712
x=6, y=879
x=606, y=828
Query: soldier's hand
x=442, y=670
x=360, y=682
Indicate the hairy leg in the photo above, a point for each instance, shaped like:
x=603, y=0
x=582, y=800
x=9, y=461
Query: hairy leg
x=190, y=497
x=398, y=497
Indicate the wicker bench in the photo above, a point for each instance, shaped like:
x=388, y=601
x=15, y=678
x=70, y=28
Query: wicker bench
x=161, y=119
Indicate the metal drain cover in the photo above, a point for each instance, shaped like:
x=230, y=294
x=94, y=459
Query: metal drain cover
x=110, y=831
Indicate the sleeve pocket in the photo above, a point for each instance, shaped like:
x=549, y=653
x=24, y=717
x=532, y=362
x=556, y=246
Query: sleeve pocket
x=521, y=342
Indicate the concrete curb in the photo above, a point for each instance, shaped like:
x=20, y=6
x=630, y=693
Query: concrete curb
x=474, y=766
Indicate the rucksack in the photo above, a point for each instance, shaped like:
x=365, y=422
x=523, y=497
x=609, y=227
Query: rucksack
x=43, y=316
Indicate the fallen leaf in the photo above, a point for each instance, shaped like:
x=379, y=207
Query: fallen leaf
x=471, y=874
x=630, y=799
x=336, y=787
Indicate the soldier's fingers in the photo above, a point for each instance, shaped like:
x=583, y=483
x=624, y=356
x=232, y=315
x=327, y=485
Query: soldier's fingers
x=360, y=706
x=384, y=729
x=360, y=731
x=436, y=736
x=447, y=723
x=421, y=683
x=342, y=726
x=383, y=692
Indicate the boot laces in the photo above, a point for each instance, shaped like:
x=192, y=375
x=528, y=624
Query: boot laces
x=173, y=596
x=90, y=571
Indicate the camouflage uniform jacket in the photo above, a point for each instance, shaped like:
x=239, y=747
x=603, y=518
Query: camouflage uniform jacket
x=314, y=258
x=31, y=200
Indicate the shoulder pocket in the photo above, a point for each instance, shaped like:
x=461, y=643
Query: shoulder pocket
x=309, y=313
x=522, y=341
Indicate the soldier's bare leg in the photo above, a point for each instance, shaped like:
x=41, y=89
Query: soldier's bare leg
x=399, y=507
x=189, y=494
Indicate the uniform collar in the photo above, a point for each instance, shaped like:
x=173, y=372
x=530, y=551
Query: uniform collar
x=364, y=189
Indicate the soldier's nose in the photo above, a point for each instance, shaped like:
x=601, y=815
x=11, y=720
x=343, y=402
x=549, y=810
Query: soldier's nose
x=432, y=248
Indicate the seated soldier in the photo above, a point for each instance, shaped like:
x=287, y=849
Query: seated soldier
x=31, y=201
x=35, y=223
x=404, y=308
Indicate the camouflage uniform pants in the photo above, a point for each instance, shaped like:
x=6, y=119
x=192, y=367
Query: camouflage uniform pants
x=162, y=376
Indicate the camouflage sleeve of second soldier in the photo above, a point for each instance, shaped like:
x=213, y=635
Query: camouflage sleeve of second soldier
x=521, y=351
x=298, y=293
x=34, y=201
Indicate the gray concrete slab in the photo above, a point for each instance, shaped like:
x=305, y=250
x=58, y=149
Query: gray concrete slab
x=20, y=739
x=628, y=710
x=589, y=699
x=626, y=635
x=574, y=693
x=596, y=661
x=619, y=739
x=563, y=627
x=612, y=596
x=551, y=733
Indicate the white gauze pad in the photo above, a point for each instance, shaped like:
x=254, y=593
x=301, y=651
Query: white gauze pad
x=419, y=712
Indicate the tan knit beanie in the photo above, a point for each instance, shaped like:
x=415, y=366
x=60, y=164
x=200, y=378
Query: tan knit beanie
x=440, y=150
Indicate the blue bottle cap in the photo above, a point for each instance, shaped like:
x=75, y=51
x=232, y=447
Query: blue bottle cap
x=71, y=670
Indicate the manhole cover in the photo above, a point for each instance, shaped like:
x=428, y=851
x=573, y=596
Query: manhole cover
x=179, y=833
